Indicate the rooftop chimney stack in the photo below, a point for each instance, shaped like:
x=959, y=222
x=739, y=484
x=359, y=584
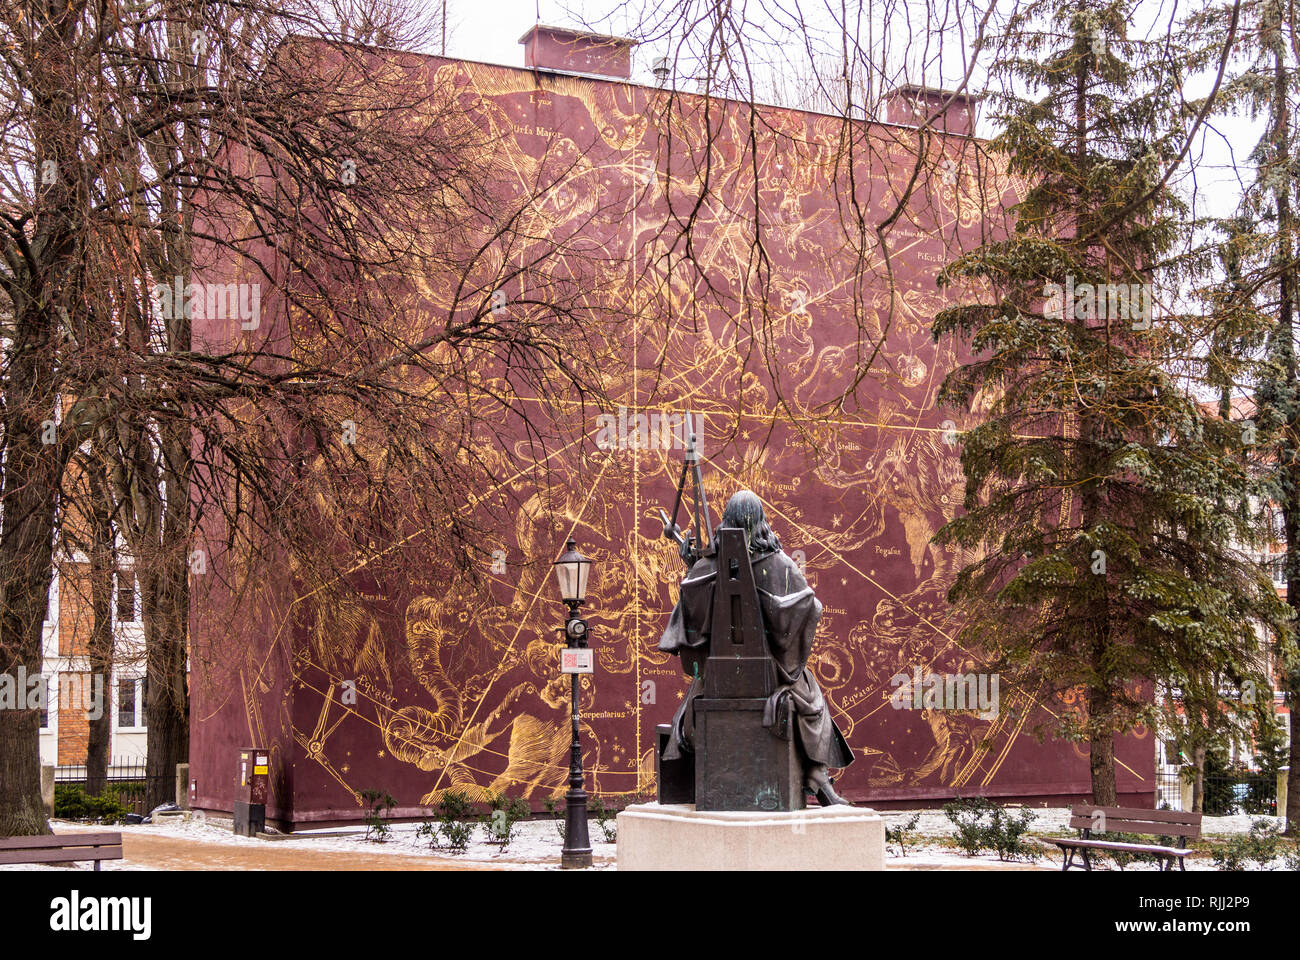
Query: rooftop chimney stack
x=572, y=51
x=912, y=104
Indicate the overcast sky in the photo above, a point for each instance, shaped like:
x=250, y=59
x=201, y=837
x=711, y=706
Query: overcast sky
x=489, y=30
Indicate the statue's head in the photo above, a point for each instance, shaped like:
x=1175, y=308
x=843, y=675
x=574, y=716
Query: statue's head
x=745, y=510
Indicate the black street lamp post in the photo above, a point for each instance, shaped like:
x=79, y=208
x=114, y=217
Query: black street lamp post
x=572, y=570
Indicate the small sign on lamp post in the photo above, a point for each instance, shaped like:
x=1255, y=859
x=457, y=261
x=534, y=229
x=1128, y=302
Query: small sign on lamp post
x=577, y=660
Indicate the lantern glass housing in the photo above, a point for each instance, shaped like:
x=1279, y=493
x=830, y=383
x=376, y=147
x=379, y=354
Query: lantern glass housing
x=572, y=570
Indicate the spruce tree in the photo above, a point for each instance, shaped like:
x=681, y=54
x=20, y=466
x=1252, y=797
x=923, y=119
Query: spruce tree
x=1099, y=499
x=1265, y=277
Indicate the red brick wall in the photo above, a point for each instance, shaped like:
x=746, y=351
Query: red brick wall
x=75, y=620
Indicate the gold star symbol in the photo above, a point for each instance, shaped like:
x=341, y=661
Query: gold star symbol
x=380, y=754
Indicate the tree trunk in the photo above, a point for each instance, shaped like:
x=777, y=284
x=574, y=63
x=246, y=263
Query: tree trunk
x=1290, y=447
x=35, y=451
x=167, y=703
x=169, y=534
x=1101, y=764
x=102, y=563
x=22, y=812
x=1198, y=785
x=1292, y=780
x=26, y=558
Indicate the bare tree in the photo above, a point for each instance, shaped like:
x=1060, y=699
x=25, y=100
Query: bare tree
x=210, y=147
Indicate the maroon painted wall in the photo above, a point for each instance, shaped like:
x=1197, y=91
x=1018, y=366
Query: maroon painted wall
x=458, y=683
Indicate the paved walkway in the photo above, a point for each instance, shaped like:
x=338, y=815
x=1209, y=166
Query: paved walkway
x=151, y=851
x=154, y=852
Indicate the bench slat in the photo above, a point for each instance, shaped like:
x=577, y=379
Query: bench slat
x=1120, y=825
x=1138, y=813
x=1117, y=845
x=60, y=840
x=60, y=856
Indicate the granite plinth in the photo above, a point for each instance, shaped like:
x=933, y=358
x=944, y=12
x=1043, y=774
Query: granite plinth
x=653, y=836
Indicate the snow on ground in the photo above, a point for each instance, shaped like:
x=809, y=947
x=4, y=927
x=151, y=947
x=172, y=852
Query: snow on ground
x=1053, y=821
x=536, y=843
x=533, y=843
x=934, y=823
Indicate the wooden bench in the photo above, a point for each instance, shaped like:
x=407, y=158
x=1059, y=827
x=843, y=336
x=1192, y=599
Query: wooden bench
x=61, y=848
x=1087, y=817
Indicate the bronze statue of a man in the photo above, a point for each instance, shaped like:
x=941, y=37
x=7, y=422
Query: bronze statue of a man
x=790, y=613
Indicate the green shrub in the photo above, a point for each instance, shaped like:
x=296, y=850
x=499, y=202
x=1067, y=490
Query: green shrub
x=380, y=805
x=456, y=834
x=557, y=813
x=904, y=834
x=1260, y=847
x=606, y=818
x=501, y=816
x=456, y=805
x=968, y=816
x=71, y=803
x=454, y=825
x=984, y=825
x=1007, y=833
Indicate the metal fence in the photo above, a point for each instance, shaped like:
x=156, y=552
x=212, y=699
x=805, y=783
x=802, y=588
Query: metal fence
x=127, y=781
x=1242, y=791
x=1245, y=792
x=1169, y=791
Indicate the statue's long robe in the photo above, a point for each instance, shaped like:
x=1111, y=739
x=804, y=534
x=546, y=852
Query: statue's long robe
x=790, y=616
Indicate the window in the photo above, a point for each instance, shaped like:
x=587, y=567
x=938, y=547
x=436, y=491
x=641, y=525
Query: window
x=129, y=713
x=125, y=597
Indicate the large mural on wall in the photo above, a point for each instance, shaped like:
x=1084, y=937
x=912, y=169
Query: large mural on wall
x=416, y=685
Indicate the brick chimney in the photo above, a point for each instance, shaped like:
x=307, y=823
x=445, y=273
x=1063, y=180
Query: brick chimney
x=572, y=51
x=912, y=104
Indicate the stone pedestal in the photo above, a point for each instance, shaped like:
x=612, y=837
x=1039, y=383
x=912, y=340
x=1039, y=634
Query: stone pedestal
x=654, y=836
x=740, y=766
